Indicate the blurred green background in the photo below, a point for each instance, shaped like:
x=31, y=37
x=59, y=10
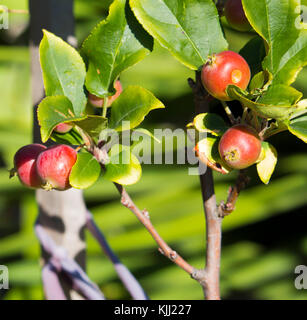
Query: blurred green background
x=263, y=240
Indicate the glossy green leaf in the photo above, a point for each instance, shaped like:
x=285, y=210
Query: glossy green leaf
x=85, y=171
x=71, y=138
x=280, y=95
x=189, y=29
x=93, y=125
x=260, y=82
x=143, y=131
x=298, y=127
x=211, y=123
x=114, y=45
x=132, y=106
x=52, y=111
x=123, y=166
x=266, y=166
x=278, y=23
x=279, y=102
x=63, y=71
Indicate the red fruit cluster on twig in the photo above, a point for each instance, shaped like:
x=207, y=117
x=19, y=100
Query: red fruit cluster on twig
x=47, y=168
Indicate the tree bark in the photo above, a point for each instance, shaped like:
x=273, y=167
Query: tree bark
x=62, y=214
x=209, y=277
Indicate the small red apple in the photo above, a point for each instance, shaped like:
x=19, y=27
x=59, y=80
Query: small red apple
x=235, y=15
x=54, y=165
x=24, y=165
x=63, y=127
x=240, y=146
x=224, y=69
x=98, y=102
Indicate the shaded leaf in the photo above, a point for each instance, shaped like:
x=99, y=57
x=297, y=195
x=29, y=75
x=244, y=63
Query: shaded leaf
x=52, y=111
x=210, y=122
x=298, y=127
x=71, y=138
x=254, y=53
x=93, y=125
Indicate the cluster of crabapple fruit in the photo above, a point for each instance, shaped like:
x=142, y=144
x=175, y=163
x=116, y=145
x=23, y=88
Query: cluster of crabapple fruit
x=240, y=146
x=49, y=168
x=40, y=167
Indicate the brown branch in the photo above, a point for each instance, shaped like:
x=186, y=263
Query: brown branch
x=209, y=277
x=144, y=218
x=225, y=209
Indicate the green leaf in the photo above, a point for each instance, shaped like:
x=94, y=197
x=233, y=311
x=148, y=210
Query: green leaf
x=254, y=53
x=146, y=132
x=266, y=166
x=279, y=102
x=210, y=122
x=280, y=95
x=298, y=127
x=132, y=105
x=93, y=125
x=52, y=111
x=208, y=152
x=71, y=138
x=278, y=23
x=260, y=81
x=189, y=29
x=63, y=71
x=114, y=45
x=85, y=171
x=123, y=166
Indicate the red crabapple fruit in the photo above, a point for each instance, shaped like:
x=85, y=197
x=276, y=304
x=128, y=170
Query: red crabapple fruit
x=54, y=165
x=24, y=165
x=224, y=69
x=240, y=146
x=63, y=127
x=98, y=102
x=235, y=15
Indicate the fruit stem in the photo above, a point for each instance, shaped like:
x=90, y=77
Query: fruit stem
x=105, y=107
x=229, y=113
x=211, y=60
x=244, y=115
x=255, y=122
x=88, y=141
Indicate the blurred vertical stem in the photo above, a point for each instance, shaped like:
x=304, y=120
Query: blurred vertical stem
x=105, y=107
x=210, y=275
